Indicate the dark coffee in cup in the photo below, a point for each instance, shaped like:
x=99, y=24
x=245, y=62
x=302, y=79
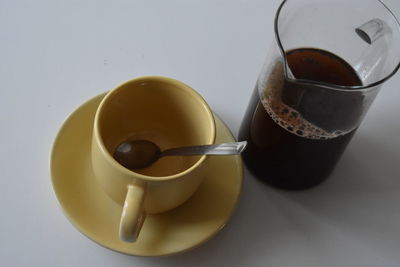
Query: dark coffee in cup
x=296, y=132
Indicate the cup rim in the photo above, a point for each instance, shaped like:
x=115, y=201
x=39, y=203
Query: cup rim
x=126, y=171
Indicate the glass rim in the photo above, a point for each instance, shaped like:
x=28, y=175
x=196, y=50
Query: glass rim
x=331, y=86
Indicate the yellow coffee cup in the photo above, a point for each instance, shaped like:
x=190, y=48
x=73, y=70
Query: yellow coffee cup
x=168, y=113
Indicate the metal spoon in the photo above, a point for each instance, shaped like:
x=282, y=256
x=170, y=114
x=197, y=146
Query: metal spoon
x=138, y=154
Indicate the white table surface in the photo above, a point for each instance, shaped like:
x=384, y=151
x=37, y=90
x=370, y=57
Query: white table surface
x=57, y=54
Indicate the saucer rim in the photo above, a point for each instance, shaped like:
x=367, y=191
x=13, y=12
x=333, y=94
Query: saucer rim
x=81, y=230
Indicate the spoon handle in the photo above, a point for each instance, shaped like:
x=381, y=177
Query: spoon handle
x=218, y=149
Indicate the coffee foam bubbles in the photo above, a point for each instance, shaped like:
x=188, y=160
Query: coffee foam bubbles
x=270, y=89
x=292, y=121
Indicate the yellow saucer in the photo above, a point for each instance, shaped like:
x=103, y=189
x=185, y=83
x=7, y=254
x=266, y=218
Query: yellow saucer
x=95, y=215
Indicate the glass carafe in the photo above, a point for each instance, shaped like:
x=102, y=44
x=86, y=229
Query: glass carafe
x=328, y=63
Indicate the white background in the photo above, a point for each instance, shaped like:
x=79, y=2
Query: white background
x=54, y=55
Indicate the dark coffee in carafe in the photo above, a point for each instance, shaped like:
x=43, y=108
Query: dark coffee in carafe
x=296, y=131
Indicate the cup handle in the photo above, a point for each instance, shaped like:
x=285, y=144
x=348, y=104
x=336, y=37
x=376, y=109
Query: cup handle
x=133, y=214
